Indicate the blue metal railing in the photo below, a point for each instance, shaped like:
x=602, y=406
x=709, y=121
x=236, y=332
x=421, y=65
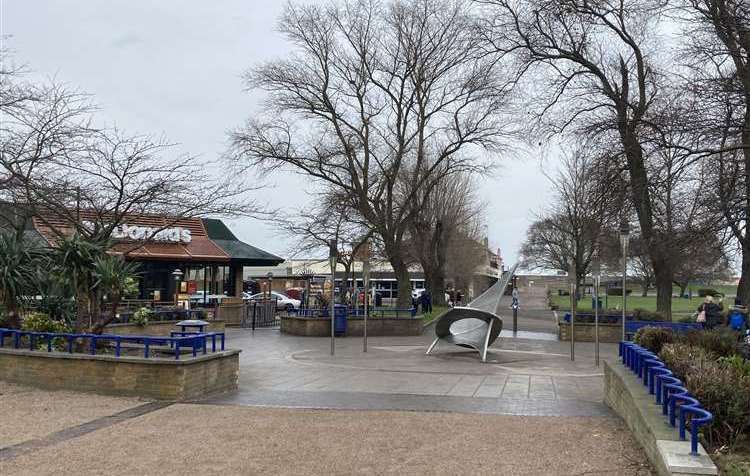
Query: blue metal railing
x=194, y=341
x=668, y=390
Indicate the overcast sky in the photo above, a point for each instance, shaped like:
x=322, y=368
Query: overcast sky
x=173, y=68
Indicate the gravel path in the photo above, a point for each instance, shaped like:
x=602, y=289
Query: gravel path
x=29, y=413
x=210, y=439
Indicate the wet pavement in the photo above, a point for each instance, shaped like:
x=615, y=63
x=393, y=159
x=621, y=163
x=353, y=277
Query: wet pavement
x=527, y=374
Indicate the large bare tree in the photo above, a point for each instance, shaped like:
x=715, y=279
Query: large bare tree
x=596, y=72
x=377, y=95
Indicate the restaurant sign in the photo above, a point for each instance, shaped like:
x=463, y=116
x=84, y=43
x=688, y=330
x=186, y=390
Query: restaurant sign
x=147, y=233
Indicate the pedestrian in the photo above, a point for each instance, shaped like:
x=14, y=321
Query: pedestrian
x=737, y=319
x=426, y=302
x=709, y=313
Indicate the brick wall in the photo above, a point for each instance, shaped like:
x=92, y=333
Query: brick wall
x=160, y=379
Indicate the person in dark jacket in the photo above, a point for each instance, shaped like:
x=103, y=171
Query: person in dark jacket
x=426, y=299
x=713, y=313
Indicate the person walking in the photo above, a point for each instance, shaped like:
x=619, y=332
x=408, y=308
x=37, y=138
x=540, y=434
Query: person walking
x=426, y=302
x=709, y=313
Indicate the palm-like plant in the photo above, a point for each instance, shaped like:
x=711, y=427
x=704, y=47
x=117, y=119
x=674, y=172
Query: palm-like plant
x=115, y=278
x=19, y=260
x=75, y=257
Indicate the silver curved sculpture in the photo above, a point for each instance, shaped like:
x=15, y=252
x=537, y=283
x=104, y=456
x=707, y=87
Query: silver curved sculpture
x=471, y=327
x=468, y=327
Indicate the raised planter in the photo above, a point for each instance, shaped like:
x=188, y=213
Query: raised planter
x=629, y=398
x=584, y=332
x=155, y=328
x=380, y=326
x=160, y=379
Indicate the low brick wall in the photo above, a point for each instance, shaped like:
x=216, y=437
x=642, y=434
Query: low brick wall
x=155, y=328
x=584, y=331
x=160, y=379
x=321, y=327
x=629, y=398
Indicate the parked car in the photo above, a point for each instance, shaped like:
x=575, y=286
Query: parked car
x=282, y=301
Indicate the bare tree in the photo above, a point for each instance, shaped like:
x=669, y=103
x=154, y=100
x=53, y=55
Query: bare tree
x=717, y=56
x=330, y=218
x=599, y=75
x=377, y=95
x=450, y=213
x=573, y=226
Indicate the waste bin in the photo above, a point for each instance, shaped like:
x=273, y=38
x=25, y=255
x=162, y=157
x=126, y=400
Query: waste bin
x=339, y=319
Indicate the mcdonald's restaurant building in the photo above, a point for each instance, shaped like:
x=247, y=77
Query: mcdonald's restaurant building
x=198, y=257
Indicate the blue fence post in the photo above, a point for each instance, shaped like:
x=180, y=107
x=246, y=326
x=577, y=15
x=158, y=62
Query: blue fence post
x=177, y=348
x=146, y=343
x=49, y=342
x=117, y=346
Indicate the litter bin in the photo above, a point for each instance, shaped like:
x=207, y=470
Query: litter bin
x=339, y=319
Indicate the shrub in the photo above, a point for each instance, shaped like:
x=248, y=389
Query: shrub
x=618, y=292
x=683, y=359
x=725, y=392
x=653, y=338
x=736, y=362
x=40, y=322
x=141, y=316
x=720, y=342
x=644, y=315
x=703, y=292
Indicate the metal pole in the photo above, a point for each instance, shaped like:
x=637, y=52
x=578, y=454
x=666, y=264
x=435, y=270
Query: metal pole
x=596, y=320
x=333, y=252
x=624, y=289
x=572, y=320
x=366, y=293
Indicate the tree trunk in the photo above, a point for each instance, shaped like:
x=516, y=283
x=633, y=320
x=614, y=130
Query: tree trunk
x=743, y=287
x=103, y=320
x=401, y=270
x=644, y=289
x=663, y=280
x=82, y=311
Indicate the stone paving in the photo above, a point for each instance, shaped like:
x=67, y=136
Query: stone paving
x=527, y=374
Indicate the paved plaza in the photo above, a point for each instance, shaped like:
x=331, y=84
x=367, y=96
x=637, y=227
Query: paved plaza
x=299, y=410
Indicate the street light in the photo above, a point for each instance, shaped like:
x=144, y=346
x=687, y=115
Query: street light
x=332, y=255
x=596, y=272
x=177, y=275
x=624, y=241
x=366, y=284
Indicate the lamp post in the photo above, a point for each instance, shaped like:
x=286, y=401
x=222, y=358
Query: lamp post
x=177, y=275
x=366, y=284
x=572, y=279
x=332, y=255
x=596, y=272
x=624, y=241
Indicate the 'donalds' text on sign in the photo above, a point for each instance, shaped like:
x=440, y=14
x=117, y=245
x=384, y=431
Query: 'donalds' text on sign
x=143, y=233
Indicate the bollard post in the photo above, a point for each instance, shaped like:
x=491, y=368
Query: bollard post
x=515, y=320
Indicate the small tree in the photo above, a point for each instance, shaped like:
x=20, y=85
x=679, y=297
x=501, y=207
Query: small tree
x=113, y=279
x=19, y=260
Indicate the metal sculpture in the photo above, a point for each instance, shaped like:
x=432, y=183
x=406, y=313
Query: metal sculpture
x=468, y=327
x=472, y=327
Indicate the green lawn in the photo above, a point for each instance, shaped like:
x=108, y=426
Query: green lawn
x=648, y=303
x=436, y=312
